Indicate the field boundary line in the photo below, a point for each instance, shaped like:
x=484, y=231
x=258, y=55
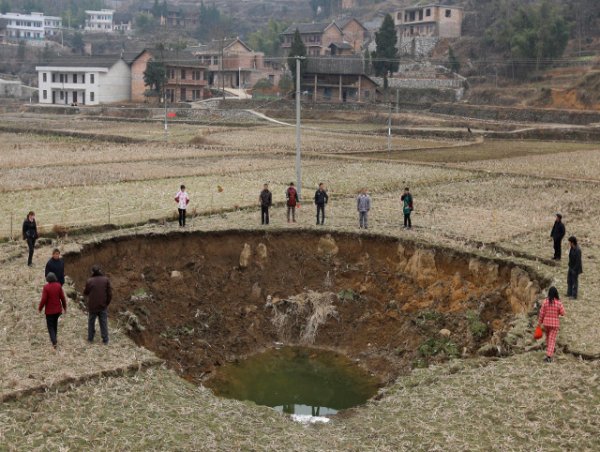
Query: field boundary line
x=67, y=383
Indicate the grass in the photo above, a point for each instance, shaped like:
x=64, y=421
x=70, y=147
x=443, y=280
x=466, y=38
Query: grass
x=517, y=403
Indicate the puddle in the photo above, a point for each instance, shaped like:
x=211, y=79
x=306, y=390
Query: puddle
x=296, y=380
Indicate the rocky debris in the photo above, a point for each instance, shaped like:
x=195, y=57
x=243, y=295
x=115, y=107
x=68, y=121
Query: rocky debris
x=256, y=293
x=327, y=246
x=132, y=322
x=445, y=332
x=262, y=255
x=488, y=271
x=70, y=292
x=245, y=256
x=522, y=291
x=489, y=350
x=176, y=274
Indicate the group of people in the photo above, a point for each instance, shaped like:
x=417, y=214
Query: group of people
x=321, y=198
x=54, y=302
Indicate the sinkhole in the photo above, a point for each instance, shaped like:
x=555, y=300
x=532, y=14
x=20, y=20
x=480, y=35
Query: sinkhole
x=220, y=305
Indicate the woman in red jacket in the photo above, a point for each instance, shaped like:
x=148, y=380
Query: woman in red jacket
x=550, y=312
x=53, y=298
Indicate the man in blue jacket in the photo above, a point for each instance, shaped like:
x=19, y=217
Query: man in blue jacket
x=57, y=266
x=321, y=198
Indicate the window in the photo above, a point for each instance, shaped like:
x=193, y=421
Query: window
x=91, y=97
x=45, y=94
x=183, y=95
x=53, y=77
x=92, y=79
x=82, y=78
x=420, y=14
x=74, y=78
x=428, y=12
x=61, y=78
x=183, y=74
x=62, y=95
x=448, y=13
x=44, y=77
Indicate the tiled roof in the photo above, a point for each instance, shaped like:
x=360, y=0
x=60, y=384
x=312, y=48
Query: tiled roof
x=106, y=61
x=308, y=28
x=346, y=65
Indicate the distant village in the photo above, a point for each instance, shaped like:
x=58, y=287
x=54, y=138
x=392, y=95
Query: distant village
x=335, y=69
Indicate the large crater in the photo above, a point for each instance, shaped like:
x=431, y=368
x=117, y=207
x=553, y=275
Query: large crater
x=200, y=299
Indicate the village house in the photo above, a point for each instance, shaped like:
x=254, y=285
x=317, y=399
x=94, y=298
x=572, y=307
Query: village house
x=318, y=37
x=99, y=21
x=123, y=22
x=421, y=27
x=339, y=80
x=32, y=27
x=180, y=17
x=240, y=67
x=186, y=75
x=84, y=80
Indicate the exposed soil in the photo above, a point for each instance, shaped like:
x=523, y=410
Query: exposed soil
x=199, y=300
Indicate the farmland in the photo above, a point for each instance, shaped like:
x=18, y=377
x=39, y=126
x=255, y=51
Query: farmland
x=492, y=198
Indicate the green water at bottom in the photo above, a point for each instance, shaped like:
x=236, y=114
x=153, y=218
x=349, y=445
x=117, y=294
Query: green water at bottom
x=296, y=380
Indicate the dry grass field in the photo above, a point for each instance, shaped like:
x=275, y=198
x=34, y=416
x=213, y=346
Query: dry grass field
x=494, y=199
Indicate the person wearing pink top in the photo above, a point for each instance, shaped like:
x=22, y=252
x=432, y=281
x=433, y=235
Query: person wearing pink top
x=550, y=313
x=182, y=199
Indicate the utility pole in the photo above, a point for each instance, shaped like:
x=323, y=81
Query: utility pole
x=222, y=74
x=389, y=140
x=298, y=136
x=165, y=102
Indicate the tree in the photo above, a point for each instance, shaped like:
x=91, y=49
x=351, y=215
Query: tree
x=267, y=39
x=145, y=23
x=367, y=63
x=156, y=9
x=298, y=49
x=385, y=58
x=531, y=35
x=453, y=61
x=155, y=76
x=209, y=22
x=77, y=43
x=4, y=6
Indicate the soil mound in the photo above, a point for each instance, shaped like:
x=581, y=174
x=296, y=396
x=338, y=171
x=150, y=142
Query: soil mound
x=199, y=300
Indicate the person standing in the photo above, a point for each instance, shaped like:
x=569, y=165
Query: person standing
x=54, y=302
x=363, y=205
x=558, y=233
x=30, y=234
x=551, y=311
x=291, y=195
x=99, y=293
x=182, y=199
x=265, y=199
x=575, y=268
x=407, y=207
x=57, y=266
x=321, y=198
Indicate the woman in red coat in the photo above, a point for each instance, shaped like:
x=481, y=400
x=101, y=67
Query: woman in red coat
x=53, y=298
x=550, y=312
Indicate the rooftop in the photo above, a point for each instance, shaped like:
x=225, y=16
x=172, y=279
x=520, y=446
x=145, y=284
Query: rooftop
x=347, y=65
x=309, y=28
x=431, y=5
x=105, y=61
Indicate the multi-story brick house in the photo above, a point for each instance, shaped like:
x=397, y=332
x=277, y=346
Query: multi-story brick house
x=99, y=21
x=353, y=32
x=420, y=27
x=187, y=77
x=34, y=26
x=233, y=64
x=316, y=37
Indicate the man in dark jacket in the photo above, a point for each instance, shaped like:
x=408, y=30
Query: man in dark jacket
x=558, y=233
x=291, y=195
x=57, y=266
x=99, y=293
x=265, y=200
x=575, y=268
x=30, y=234
x=321, y=198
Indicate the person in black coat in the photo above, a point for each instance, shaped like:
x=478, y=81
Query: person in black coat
x=57, y=266
x=30, y=234
x=321, y=198
x=265, y=200
x=575, y=268
x=558, y=233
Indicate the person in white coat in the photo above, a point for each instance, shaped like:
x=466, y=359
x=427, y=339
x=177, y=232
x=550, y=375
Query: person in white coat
x=182, y=199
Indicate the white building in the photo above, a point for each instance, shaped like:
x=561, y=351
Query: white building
x=84, y=80
x=34, y=26
x=99, y=20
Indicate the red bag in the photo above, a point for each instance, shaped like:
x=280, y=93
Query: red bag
x=538, y=333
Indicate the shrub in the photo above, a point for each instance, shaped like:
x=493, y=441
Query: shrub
x=436, y=347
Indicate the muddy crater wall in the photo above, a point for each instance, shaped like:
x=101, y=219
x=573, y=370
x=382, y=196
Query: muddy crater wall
x=200, y=299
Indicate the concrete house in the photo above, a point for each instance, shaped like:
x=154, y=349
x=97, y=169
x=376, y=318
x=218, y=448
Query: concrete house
x=316, y=37
x=84, y=80
x=338, y=80
x=34, y=26
x=186, y=76
x=420, y=27
x=99, y=21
